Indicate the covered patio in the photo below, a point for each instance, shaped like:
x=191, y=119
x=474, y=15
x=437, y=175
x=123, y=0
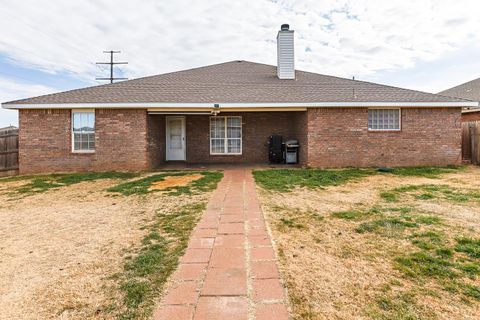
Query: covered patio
x=227, y=138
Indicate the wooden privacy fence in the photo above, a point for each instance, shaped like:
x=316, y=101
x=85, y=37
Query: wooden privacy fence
x=8, y=150
x=471, y=141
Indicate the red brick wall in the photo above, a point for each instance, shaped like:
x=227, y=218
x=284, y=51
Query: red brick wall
x=329, y=137
x=301, y=133
x=156, y=140
x=45, y=141
x=471, y=116
x=339, y=137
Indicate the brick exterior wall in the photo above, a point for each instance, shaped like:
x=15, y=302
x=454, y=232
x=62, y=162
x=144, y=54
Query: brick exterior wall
x=301, y=133
x=471, y=116
x=339, y=137
x=156, y=140
x=45, y=142
x=329, y=137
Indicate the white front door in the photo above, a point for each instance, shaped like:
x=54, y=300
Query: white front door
x=175, y=138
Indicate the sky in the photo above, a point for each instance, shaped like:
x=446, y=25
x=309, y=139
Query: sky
x=52, y=45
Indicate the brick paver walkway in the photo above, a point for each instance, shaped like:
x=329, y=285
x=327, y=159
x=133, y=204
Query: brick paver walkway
x=229, y=270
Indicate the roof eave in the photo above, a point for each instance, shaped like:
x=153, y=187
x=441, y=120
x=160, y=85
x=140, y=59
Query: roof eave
x=139, y=105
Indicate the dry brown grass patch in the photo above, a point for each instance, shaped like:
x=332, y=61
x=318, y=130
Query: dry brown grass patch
x=59, y=249
x=334, y=272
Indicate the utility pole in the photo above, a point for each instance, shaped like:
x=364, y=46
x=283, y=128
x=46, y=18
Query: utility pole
x=111, y=63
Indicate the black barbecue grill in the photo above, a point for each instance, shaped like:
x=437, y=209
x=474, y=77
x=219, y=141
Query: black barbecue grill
x=275, y=149
x=282, y=152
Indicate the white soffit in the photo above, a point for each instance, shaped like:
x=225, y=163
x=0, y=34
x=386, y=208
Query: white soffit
x=241, y=105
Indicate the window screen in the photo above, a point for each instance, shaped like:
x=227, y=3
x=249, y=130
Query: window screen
x=384, y=119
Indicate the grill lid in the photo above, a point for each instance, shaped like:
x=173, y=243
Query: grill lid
x=293, y=143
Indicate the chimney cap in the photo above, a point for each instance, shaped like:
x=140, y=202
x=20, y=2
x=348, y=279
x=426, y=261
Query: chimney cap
x=285, y=27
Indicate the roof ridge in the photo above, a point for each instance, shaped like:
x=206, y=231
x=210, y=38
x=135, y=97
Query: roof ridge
x=461, y=84
x=443, y=95
x=378, y=84
x=115, y=83
x=182, y=70
x=363, y=81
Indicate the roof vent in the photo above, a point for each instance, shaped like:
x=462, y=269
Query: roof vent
x=285, y=53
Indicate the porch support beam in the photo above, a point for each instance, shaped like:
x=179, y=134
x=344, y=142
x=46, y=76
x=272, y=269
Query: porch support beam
x=219, y=110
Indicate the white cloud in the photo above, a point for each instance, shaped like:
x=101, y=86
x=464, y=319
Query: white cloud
x=12, y=90
x=343, y=37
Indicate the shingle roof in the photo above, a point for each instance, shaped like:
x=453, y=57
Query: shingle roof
x=469, y=90
x=237, y=82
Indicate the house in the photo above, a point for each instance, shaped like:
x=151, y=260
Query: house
x=471, y=91
x=224, y=113
x=8, y=130
x=471, y=115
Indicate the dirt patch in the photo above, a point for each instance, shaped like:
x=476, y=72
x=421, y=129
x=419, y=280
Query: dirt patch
x=334, y=272
x=175, y=181
x=6, y=187
x=60, y=249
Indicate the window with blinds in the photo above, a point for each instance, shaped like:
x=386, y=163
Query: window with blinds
x=225, y=135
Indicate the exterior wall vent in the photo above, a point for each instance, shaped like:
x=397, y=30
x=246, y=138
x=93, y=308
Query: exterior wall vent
x=285, y=53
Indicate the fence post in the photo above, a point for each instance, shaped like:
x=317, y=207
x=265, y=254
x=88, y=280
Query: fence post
x=471, y=134
x=476, y=139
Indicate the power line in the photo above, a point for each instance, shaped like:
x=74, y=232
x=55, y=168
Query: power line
x=111, y=63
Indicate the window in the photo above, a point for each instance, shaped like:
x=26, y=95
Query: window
x=383, y=119
x=83, y=131
x=226, y=135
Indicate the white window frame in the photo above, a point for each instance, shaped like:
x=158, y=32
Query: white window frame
x=225, y=138
x=73, y=133
x=399, y=119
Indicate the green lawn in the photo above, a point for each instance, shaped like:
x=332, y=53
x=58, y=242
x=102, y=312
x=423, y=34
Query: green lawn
x=284, y=180
x=43, y=183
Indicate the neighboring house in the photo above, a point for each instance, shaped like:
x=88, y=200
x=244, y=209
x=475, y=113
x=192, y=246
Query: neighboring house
x=470, y=91
x=470, y=115
x=224, y=113
x=8, y=130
